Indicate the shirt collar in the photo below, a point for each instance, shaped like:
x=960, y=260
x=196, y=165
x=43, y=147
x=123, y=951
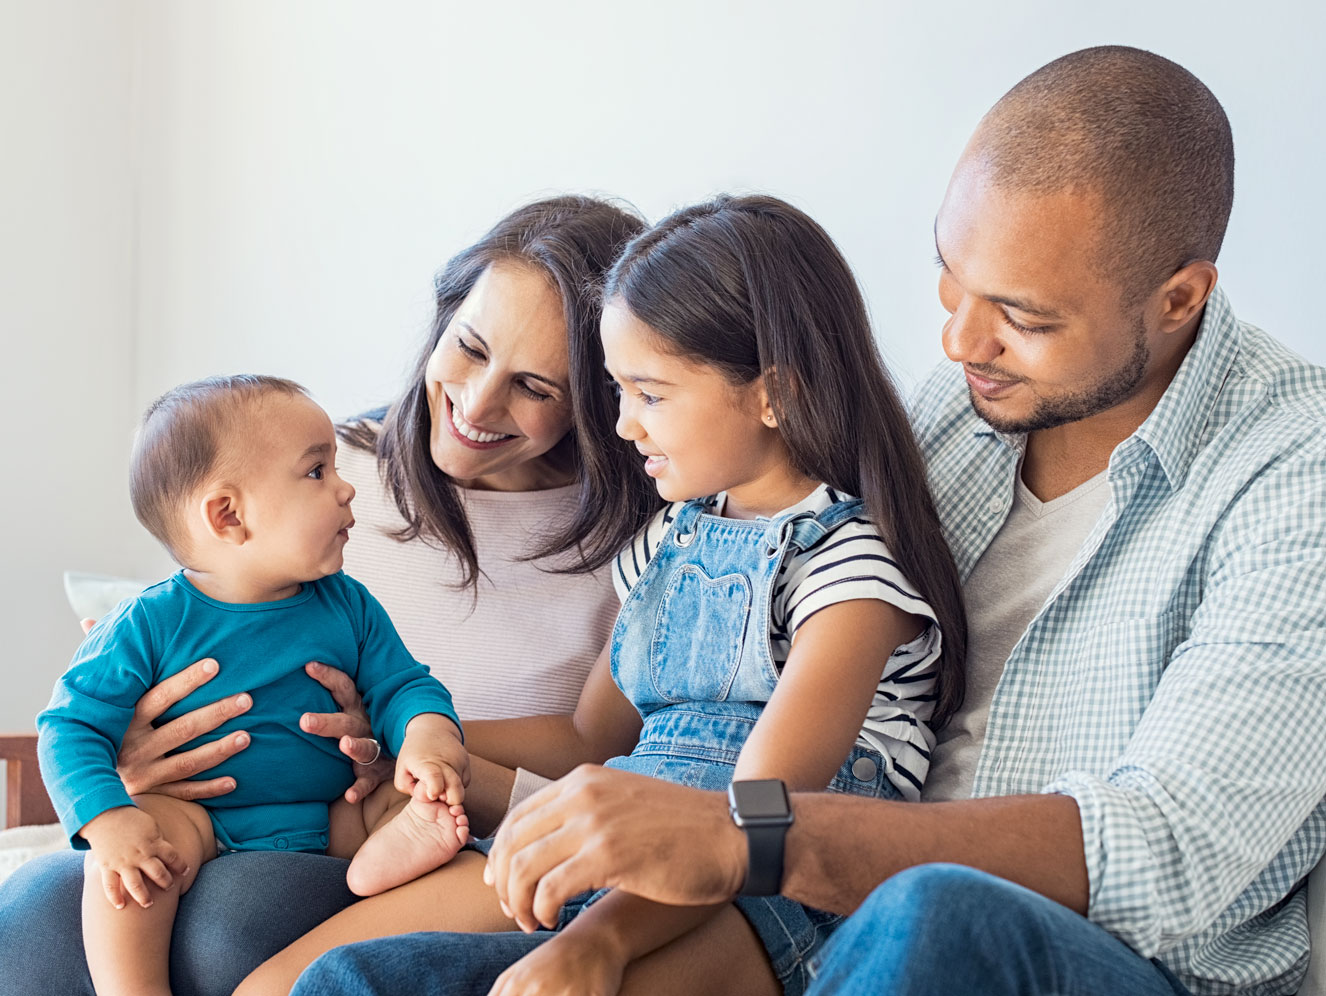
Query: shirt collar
x=817, y=501
x=1175, y=427
x=1173, y=430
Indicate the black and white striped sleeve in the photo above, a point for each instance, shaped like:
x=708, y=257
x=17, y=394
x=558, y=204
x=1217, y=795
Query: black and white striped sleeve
x=631, y=561
x=851, y=562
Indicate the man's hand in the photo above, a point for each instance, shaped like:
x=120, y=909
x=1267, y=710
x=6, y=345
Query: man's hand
x=142, y=763
x=128, y=847
x=351, y=728
x=433, y=761
x=599, y=828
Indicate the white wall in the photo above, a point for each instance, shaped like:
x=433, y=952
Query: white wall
x=66, y=324
x=303, y=167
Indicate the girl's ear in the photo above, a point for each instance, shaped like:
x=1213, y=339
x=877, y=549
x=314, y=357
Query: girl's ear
x=221, y=516
x=767, y=415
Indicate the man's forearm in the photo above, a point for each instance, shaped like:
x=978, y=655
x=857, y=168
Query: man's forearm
x=840, y=847
x=600, y=827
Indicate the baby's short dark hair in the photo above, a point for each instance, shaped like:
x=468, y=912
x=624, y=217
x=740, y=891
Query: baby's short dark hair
x=180, y=441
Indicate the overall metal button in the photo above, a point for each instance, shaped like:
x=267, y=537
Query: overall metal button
x=864, y=769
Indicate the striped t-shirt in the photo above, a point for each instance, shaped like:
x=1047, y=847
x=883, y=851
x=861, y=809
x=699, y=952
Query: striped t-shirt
x=850, y=562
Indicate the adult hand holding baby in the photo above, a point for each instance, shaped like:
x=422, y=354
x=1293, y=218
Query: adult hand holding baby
x=351, y=727
x=142, y=763
x=144, y=766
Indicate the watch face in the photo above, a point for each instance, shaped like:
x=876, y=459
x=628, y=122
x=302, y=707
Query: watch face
x=762, y=799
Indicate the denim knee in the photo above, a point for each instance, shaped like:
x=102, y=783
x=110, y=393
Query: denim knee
x=912, y=929
x=326, y=974
x=947, y=928
x=926, y=895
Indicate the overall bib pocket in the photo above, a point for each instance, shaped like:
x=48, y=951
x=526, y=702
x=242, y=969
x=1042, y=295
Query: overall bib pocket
x=698, y=636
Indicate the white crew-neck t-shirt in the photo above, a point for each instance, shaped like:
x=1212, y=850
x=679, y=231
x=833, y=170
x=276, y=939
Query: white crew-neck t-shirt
x=1007, y=587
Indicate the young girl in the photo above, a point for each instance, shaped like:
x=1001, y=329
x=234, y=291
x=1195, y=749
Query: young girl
x=772, y=625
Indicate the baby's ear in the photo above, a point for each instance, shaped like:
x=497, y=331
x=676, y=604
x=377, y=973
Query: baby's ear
x=221, y=518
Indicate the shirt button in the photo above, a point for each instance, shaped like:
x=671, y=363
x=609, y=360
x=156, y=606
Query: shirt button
x=864, y=769
x=282, y=843
x=995, y=506
x=322, y=839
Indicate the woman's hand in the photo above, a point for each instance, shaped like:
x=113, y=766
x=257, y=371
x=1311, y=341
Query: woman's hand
x=143, y=765
x=567, y=965
x=600, y=828
x=351, y=727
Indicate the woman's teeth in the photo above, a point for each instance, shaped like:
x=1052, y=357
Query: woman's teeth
x=470, y=432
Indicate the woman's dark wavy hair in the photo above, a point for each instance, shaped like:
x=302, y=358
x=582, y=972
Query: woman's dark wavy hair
x=572, y=240
x=753, y=286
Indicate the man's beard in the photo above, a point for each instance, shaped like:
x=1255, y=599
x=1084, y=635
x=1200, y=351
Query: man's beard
x=1114, y=388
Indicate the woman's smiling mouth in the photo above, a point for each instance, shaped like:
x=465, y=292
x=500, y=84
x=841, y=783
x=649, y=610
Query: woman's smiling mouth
x=469, y=434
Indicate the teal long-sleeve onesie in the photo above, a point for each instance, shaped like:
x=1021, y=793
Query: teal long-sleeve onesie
x=285, y=779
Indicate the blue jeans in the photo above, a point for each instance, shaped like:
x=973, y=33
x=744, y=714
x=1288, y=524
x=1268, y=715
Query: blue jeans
x=242, y=909
x=932, y=929
x=950, y=929
x=424, y=964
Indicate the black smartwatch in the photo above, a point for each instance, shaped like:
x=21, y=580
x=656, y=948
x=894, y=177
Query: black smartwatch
x=762, y=809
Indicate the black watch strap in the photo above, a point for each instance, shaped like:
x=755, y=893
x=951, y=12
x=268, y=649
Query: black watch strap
x=764, y=869
x=763, y=811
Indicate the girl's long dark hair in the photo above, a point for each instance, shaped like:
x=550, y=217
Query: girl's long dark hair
x=753, y=286
x=573, y=240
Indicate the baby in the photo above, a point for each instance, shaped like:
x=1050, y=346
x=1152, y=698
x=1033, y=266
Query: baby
x=236, y=477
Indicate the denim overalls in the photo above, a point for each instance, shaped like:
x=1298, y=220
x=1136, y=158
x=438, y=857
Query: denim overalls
x=691, y=650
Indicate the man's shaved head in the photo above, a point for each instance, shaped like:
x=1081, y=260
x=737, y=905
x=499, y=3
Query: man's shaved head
x=1133, y=129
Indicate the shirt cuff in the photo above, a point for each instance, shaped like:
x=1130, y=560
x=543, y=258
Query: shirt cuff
x=1134, y=877
x=525, y=785
x=88, y=807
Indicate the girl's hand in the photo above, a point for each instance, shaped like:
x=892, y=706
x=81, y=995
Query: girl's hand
x=128, y=846
x=350, y=726
x=567, y=965
x=142, y=763
x=433, y=761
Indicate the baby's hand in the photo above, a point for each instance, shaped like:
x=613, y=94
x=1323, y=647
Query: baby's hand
x=433, y=762
x=128, y=846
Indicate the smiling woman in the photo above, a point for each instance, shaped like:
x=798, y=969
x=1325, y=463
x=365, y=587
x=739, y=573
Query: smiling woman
x=508, y=393
x=497, y=385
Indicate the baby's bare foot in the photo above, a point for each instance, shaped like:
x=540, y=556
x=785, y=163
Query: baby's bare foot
x=422, y=836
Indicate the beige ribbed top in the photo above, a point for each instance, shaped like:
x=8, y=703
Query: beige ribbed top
x=525, y=644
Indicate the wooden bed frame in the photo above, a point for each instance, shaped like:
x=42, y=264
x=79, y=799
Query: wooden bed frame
x=26, y=801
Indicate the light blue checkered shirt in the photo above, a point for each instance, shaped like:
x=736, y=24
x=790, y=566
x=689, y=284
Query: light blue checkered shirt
x=1174, y=683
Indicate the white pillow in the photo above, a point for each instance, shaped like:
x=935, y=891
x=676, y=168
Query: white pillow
x=20, y=844
x=91, y=596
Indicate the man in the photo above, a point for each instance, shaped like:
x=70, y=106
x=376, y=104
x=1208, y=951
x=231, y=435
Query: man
x=1134, y=487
